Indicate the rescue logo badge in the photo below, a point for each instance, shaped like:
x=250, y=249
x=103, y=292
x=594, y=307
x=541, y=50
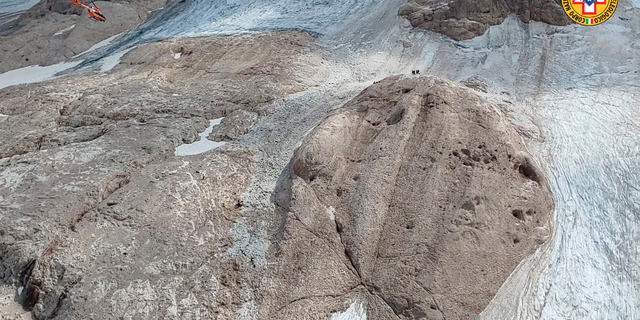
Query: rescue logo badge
x=589, y=12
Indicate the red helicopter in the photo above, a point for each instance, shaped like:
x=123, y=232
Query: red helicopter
x=94, y=12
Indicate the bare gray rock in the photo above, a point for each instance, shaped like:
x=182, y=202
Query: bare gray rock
x=465, y=19
x=98, y=217
x=477, y=83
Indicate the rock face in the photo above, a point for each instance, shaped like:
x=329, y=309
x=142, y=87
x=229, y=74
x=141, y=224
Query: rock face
x=465, y=19
x=55, y=30
x=416, y=196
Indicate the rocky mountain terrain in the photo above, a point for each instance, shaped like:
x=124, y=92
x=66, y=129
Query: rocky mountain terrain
x=93, y=161
x=465, y=19
x=413, y=174
x=55, y=30
x=343, y=186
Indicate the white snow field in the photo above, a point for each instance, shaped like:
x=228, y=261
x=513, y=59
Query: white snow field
x=101, y=44
x=573, y=91
x=110, y=62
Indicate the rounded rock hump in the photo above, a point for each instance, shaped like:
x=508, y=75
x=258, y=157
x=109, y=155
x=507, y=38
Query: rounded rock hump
x=434, y=196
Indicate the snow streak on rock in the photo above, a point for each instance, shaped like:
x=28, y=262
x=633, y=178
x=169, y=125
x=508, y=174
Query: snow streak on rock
x=113, y=60
x=33, y=74
x=67, y=29
x=203, y=145
x=355, y=312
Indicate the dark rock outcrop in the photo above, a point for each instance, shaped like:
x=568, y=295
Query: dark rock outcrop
x=465, y=19
x=234, y=125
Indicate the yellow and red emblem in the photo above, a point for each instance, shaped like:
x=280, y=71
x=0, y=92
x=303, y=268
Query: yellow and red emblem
x=589, y=12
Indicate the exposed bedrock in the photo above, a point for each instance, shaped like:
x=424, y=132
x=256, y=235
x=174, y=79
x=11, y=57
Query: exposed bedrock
x=234, y=125
x=417, y=196
x=465, y=19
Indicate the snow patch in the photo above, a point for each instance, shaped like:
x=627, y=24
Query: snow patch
x=113, y=60
x=331, y=211
x=33, y=74
x=3, y=117
x=177, y=55
x=64, y=30
x=355, y=312
x=203, y=145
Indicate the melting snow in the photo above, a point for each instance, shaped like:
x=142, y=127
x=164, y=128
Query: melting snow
x=102, y=43
x=355, y=312
x=64, y=30
x=33, y=74
x=203, y=145
x=331, y=211
x=113, y=60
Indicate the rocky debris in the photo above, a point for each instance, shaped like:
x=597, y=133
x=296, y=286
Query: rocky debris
x=477, y=83
x=54, y=30
x=234, y=125
x=465, y=19
x=417, y=196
